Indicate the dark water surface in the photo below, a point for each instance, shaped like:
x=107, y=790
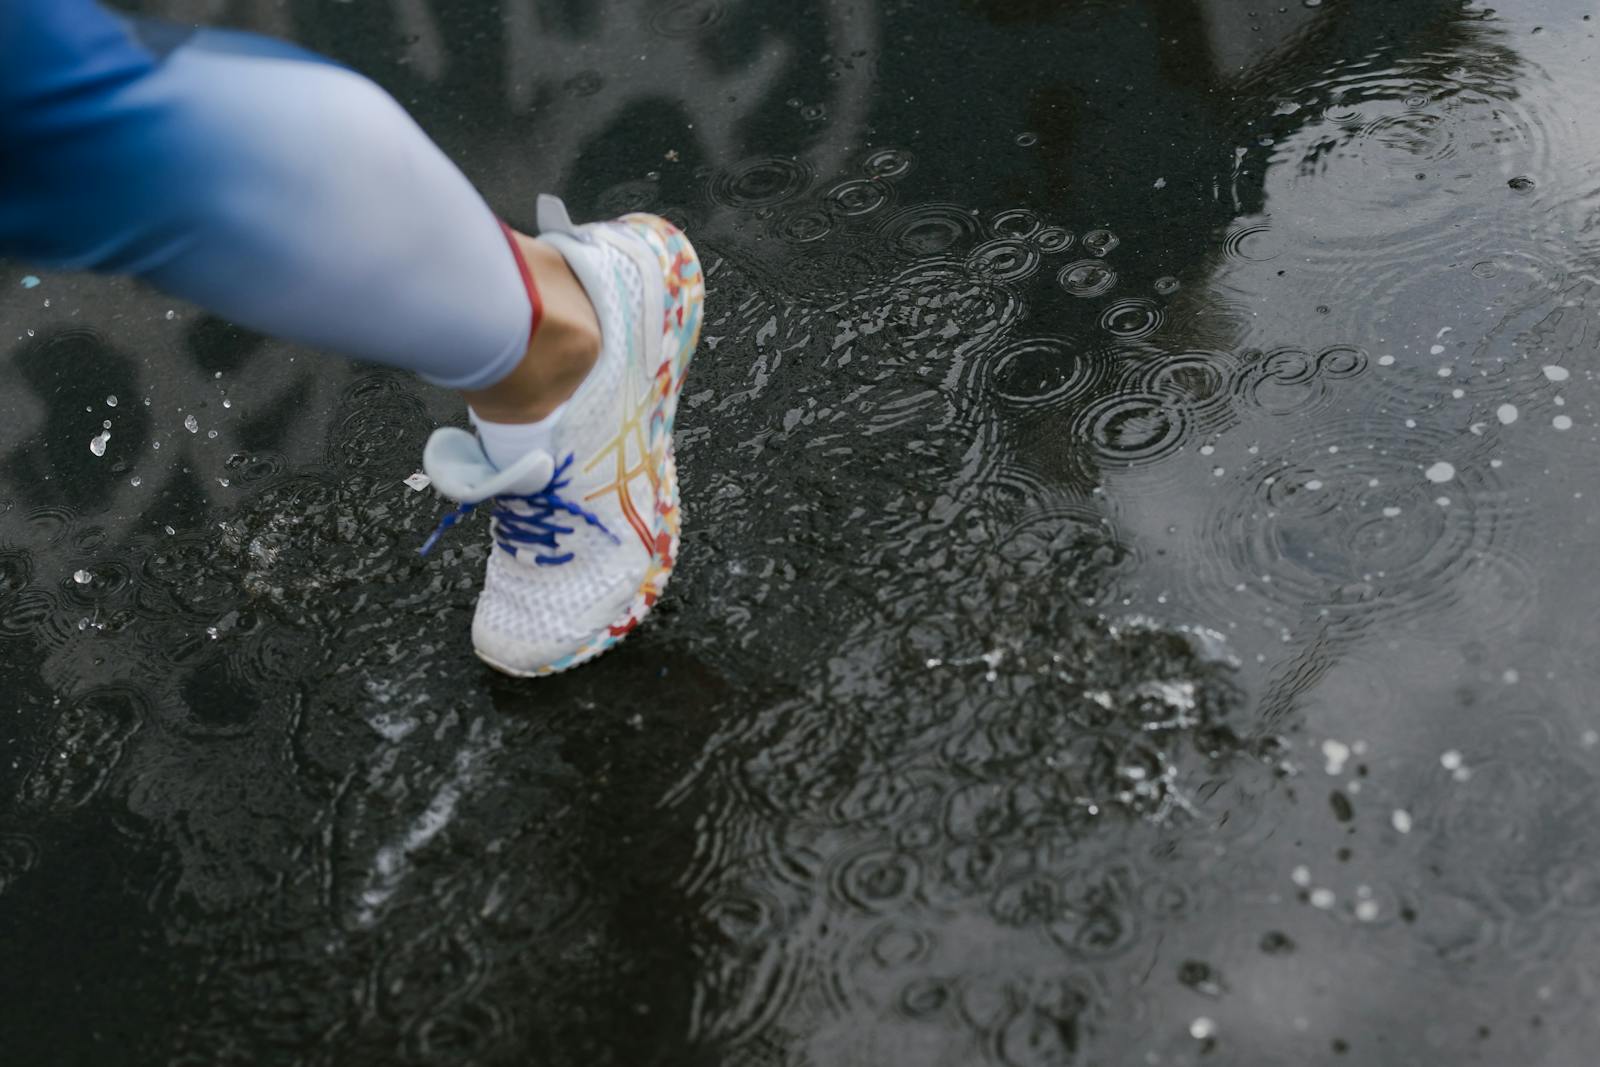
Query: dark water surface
x=1137, y=606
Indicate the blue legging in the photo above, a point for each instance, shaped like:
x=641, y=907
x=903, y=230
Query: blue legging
x=262, y=182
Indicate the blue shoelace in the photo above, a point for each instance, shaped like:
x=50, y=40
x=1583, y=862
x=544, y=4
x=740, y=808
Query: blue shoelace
x=534, y=527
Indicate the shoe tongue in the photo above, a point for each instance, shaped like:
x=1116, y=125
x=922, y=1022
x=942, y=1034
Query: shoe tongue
x=530, y=474
x=456, y=465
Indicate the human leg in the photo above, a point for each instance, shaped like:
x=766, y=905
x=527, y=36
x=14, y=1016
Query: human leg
x=279, y=190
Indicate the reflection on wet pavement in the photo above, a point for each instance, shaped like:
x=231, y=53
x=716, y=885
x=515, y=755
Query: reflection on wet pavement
x=1135, y=602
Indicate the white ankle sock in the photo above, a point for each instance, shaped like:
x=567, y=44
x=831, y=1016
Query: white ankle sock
x=506, y=442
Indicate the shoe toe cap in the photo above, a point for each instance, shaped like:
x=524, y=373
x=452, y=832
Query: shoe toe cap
x=530, y=629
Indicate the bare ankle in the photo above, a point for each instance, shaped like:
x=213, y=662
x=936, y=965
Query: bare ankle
x=562, y=351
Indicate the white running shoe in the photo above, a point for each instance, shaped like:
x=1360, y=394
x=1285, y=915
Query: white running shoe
x=585, y=535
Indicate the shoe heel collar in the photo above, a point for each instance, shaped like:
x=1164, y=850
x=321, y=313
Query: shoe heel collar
x=553, y=217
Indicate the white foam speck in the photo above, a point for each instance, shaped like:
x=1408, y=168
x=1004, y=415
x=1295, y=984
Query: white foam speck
x=1386, y=361
x=1440, y=472
x=1314, y=484
x=1301, y=876
x=1556, y=374
x=1391, y=513
x=1322, y=898
x=1337, y=753
x=1450, y=760
x=82, y=577
x=1400, y=819
x=1202, y=1028
x=1506, y=413
x=1562, y=422
x=1436, y=350
x=97, y=444
x=191, y=424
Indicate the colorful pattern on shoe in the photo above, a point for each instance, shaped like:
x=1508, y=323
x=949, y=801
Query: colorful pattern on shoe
x=586, y=535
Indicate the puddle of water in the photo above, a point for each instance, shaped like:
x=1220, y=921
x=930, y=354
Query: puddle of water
x=1134, y=606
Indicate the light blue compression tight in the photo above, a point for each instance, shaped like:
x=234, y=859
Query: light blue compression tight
x=262, y=182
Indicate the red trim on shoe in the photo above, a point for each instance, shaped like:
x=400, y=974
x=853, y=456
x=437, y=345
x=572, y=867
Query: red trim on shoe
x=527, y=281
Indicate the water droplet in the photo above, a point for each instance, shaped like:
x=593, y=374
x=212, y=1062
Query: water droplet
x=1100, y=242
x=136, y=481
x=1131, y=319
x=82, y=577
x=1052, y=239
x=111, y=401
x=1019, y=223
x=191, y=424
x=1087, y=278
x=171, y=315
x=97, y=444
x=1004, y=259
x=1027, y=139
x=1521, y=183
x=888, y=163
x=761, y=182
